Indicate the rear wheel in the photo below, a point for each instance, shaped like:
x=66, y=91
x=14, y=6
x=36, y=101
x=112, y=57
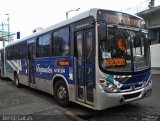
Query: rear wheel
x=61, y=93
x=0, y=74
x=16, y=79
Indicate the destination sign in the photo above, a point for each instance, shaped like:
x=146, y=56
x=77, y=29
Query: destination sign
x=115, y=62
x=120, y=18
x=123, y=19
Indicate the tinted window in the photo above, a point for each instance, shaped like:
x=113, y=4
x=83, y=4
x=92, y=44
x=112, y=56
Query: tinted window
x=44, y=45
x=23, y=50
x=61, y=42
x=10, y=52
x=16, y=51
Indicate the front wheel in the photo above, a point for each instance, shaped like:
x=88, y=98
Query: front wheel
x=61, y=93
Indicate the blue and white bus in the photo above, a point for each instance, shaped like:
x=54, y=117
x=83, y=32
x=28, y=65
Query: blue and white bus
x=98, y=59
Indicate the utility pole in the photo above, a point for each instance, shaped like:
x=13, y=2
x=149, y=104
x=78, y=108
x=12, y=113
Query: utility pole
x=3, y=30
x=3, y=34
x=8, y=25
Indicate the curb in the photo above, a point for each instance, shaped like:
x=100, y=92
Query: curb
x=155, y=70
x=72, y=116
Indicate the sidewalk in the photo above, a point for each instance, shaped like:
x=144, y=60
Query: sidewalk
x=155, y=70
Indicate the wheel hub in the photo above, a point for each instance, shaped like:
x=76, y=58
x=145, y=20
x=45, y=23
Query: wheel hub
x=61, y=92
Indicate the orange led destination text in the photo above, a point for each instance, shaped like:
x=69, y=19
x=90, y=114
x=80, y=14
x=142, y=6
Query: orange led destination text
x=115, y=62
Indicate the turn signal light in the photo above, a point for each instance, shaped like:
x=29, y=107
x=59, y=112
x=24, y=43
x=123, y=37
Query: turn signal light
x=63, y=63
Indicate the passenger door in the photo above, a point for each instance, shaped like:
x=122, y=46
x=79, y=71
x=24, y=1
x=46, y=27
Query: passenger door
x=84, y=65
x=31, y=67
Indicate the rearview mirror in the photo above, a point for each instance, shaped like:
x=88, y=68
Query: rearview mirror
x=102, y=31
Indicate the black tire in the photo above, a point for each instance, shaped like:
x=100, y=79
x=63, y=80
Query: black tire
x=16, y=80
x=61, y=93
x=0, y=74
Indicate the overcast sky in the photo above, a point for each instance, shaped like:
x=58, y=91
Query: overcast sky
x=26, y=15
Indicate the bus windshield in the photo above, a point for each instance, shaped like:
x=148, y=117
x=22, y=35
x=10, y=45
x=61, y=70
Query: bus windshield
x=124, y=50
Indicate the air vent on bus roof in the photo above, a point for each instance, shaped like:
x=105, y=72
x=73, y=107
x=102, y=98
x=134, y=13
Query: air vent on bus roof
x=37, y=29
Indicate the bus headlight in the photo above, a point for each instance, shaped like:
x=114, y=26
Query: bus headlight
x=108, y=87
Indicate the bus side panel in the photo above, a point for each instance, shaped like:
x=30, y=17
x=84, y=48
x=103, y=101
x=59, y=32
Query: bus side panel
x=10, y=68
x=47, y=69
x=1, y=72
x=1, y=69
x=18, y=66
x=23, y=72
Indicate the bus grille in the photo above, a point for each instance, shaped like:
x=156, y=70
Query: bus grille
x=138, y=78
x=135, y=82
x=130, y=96
x=130, y=88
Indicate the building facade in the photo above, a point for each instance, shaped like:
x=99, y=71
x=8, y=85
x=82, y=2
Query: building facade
x=152, y=19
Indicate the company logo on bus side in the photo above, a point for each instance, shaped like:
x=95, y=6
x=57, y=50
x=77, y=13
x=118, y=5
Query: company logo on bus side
x=43, y=70
x=49, y=70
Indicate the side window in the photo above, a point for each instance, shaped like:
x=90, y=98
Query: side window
x=40, y=47
x=10, y=53
x=23, y=50
x=16, y=51
x=44, y=46
x=7, y=53
x=47, y=45
x=61, y=42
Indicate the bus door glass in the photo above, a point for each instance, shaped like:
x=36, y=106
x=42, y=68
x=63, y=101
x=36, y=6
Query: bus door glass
x=31, y=58
x=85, y=65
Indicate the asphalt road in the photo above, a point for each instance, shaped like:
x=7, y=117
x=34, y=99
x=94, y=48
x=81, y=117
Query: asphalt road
x=39, y=106
x=26, y=104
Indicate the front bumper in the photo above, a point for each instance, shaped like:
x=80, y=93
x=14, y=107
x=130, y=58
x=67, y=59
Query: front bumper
x=105, y=100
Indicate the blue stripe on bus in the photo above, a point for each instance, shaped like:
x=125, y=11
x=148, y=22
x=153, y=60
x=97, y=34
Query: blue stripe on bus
x=9, y=68
x=46, y=68
x=136, y=80
x=24, y=67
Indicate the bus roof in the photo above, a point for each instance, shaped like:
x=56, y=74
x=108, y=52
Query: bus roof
x=91, y=12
